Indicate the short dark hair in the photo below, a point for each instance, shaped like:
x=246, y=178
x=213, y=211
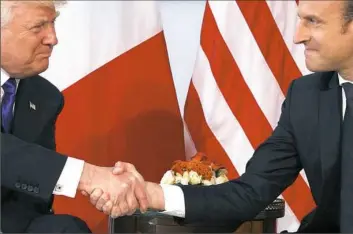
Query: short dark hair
x=348, y=16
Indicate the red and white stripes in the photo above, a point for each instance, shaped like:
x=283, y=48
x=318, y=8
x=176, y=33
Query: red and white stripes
x=245, y=64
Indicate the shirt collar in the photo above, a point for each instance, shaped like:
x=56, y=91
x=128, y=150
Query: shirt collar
x=4, y=76
x=341, y=80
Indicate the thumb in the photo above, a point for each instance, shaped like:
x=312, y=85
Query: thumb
x=84, y=193
x=119, y=168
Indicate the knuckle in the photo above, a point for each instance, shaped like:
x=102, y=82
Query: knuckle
x=133, y=179
x=123, y=207
x=124, y=185
x=101, y=201
x=132, y=167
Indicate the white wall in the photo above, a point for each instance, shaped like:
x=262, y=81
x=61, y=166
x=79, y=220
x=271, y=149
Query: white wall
x=182, y=22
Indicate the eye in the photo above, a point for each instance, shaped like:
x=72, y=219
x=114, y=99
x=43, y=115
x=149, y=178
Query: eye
x=312, y=20
x=36, y=28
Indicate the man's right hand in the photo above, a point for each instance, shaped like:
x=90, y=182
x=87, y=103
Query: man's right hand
x=125, y=192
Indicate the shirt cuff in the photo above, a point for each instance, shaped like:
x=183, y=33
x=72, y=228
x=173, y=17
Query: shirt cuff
x=173, y=200
x=69, y=178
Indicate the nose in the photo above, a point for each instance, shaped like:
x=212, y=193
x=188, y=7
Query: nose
x=302, y=34
x=50, y=38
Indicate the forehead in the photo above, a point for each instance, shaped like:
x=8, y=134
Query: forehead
x=30, y=12
x=322, y=9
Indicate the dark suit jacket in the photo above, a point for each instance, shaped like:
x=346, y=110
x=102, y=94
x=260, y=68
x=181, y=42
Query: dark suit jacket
x=30, y=167
x=307, y=136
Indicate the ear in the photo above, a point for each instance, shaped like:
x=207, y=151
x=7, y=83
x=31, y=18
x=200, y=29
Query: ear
x=347, y=27
x=350, y=26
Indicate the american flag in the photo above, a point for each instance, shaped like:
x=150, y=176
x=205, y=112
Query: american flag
x=122, y=102
x=245, y=63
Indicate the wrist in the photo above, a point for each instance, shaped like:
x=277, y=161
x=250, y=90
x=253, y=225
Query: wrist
x=86, y=178
x=155, y=196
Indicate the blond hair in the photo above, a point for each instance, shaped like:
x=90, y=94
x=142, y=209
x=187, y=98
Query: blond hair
x=8, y=5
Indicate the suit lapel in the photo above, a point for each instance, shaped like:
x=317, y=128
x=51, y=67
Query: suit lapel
x=32, y=111
x=330, y=120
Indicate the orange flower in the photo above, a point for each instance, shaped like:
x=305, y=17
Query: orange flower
x=199, y=163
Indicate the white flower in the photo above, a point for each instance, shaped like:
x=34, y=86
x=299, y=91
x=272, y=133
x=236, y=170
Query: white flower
x=194, y=177
x=168, y=178
x=178, y=178
x=207, y=182
x=185, y=178
x=184, y=181
x=221, y=179
x=213, y=180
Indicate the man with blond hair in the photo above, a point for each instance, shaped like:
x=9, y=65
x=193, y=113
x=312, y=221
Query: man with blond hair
x=31, y=170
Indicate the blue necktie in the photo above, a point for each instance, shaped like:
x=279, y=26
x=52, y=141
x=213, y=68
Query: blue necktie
x=7, y=103
x=346, y=214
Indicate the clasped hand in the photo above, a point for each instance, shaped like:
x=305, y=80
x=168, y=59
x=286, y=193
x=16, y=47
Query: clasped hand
x=117, y=191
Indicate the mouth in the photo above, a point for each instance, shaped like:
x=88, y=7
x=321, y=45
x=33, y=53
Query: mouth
x=45, y=55
x=309, y=51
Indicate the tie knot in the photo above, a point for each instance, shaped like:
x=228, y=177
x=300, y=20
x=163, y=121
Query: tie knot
x=10, y=86
x=348, y=89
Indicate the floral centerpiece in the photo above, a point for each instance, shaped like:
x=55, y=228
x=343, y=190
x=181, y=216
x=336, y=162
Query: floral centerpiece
x=198, y=171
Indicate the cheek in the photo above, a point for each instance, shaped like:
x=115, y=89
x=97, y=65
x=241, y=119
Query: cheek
x=345, y=47
x=25, y=48
x=338, y=51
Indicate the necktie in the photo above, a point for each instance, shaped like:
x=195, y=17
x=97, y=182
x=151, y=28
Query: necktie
x=7, y=103
x=346, y=213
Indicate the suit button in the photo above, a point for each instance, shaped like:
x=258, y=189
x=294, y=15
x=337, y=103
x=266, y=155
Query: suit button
x=36, y=190
x=24, y=186
x=30, y=188
x=18, y=185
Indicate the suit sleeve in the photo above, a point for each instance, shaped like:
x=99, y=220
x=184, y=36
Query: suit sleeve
x=274, y=166
x=30, y=168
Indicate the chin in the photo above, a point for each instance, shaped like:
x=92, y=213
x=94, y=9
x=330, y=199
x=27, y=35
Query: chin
x=316, y=67
x=42, y=67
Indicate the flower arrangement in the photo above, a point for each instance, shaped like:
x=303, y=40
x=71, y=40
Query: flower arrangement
x=198, y=171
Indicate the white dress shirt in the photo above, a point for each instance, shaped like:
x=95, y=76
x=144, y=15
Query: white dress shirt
x=174, y=196
x=71, y=174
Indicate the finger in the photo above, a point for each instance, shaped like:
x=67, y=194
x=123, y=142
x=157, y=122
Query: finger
x=131, y=202
x=139, y=192
x=141, y=196
x=115, y=212
x=95, y=195
x=121, y=202
x=124, y=208
x=131, y=168
x=119, y=168
x=84, y=193
x=102, y=200
x=107, y=207
x=118, y=164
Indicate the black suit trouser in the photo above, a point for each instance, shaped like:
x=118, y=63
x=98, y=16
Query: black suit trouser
x=57, y=224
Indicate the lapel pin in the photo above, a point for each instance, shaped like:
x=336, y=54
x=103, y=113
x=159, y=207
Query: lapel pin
x=32, y=106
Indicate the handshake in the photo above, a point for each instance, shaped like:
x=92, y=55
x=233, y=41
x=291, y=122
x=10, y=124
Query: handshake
x=119, y=190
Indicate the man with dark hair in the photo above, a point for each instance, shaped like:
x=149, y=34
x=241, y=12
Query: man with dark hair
x=314, y=133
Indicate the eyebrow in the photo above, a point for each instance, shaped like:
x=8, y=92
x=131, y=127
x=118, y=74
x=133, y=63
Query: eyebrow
x=307, y=17
x=42, y=21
